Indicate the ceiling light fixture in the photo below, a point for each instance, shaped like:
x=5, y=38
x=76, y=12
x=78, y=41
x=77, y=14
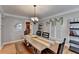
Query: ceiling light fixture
x=34, y=19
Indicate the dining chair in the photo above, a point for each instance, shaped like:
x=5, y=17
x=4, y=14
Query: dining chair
x=59, y=51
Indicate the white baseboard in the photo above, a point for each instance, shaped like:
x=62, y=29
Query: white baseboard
x=1, y=47
x=5, y=43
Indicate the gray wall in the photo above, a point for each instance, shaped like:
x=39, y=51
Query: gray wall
x=8, y=29
x=35, y=28
x=0, y=24
x=9, y=32
x=60, y=31
x=0, y=30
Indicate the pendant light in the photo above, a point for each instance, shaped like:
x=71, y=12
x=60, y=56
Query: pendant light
x=34, y=19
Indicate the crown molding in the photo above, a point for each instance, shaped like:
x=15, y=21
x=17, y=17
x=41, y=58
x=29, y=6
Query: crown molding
x=16, y=16
x=12, y=15
x=61, y=14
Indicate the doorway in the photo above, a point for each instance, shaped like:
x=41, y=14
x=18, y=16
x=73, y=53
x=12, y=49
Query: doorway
x=27, y=30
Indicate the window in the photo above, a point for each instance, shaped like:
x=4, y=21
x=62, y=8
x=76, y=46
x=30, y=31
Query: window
x=18, y=27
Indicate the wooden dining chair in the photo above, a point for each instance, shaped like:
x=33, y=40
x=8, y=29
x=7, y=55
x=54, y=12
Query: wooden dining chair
x=61, y=47
x=59, y=51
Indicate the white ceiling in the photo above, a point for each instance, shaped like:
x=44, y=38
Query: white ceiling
x=42, y=10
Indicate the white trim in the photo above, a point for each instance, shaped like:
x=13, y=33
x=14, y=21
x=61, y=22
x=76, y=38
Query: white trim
x=1, y=47
x=7, y=14
x=5, y=43
x=50, y=31
x=62, y=13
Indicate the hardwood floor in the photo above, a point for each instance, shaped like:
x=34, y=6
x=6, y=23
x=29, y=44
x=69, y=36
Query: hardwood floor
x=20, y=48
x=15, y=48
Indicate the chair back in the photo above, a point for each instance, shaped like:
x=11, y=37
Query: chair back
x=38, y=33
x=61, y=47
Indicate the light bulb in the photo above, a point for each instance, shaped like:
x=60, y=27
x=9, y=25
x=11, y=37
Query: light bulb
x=32, y=19
x=36, y=18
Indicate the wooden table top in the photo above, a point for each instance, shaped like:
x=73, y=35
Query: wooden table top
x=41, y=43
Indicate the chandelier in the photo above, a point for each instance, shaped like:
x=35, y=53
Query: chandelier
x=34, y=19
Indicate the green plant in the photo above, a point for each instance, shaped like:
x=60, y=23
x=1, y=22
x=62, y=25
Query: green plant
x=59, y=20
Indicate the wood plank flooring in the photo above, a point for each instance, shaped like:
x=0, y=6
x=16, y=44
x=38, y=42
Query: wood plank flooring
x=20, y=48
x=11, y=49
